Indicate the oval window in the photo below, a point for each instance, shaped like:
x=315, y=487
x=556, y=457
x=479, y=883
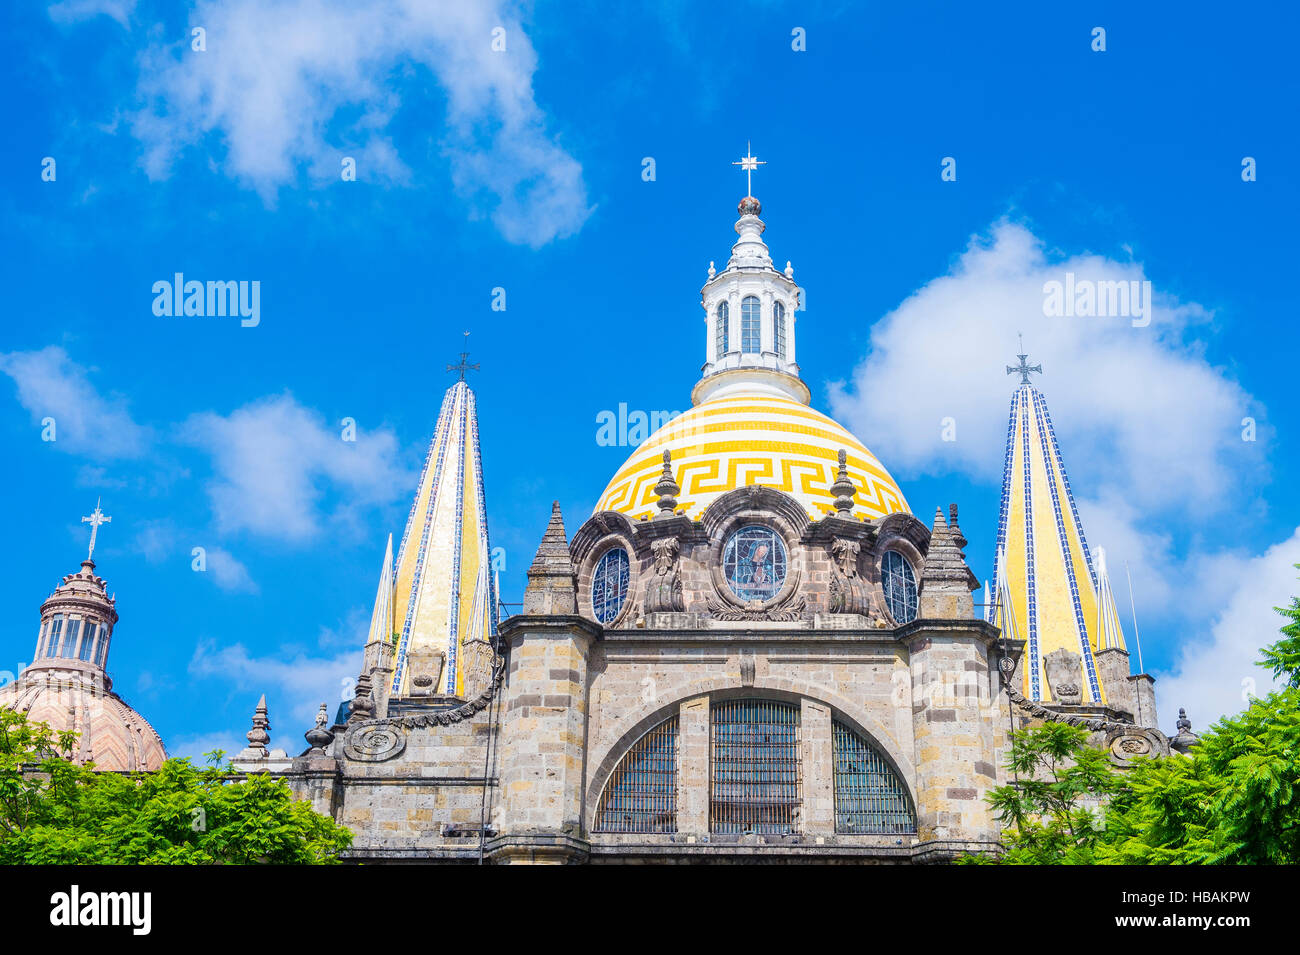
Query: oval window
x=754, y=562
x=609, y=585
x=898, y=580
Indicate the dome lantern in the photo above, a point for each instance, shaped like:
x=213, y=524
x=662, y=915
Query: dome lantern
x=749, y=312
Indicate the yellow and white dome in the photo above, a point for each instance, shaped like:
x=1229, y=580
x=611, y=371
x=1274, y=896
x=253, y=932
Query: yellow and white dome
x=741, y=439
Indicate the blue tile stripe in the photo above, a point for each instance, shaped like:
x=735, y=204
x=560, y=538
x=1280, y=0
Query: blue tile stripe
x=440, y=441
x=1065, y=480
x=485, y=542
x=1080, y=626
x=1031, y=582
x=991, y=599
x=453, y=605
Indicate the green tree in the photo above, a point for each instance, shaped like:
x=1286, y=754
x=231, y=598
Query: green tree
x=53, y=811
x=1234, y=800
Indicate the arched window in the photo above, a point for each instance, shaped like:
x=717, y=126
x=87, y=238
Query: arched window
x=641, y=795
x=55, y=636
x=755, y=783
x=720, y=330
x=778, y=327
x=869, y=796
x=754, y=562
x=609, y=585
x=751, y=326
x=101, y=652
x=88, y=641
x=70, y=637
x=40, y=640
x=898, y=580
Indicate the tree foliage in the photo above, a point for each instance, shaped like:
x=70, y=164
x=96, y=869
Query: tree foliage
x=1234, y=800
x=53, y=811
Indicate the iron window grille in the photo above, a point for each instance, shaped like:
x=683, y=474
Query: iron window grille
x=641, y=795
x=756, y=775
x=869, y=796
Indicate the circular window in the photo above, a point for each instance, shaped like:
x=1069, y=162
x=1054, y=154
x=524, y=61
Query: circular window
x=609, y=585
x=898, y=580
x=754, y=562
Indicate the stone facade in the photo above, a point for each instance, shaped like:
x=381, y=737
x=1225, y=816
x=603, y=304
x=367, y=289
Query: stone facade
x=517, y=773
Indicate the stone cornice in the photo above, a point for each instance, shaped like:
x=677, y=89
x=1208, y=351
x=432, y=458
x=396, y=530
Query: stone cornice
x=550, y=623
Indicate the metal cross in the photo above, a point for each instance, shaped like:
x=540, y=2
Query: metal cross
x=749, y=163
x=1024, y=368
x=96, y=518
x=463, y=365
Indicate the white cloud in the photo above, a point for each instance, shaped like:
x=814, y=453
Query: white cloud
x=295, y=684
x=301, y=83
x=1213, y=674
x=51, y=385
x=1159, y=415
x=274, y=461
x=1150, y=433
x=77, y=11
x=162, y=541
x=229, y=574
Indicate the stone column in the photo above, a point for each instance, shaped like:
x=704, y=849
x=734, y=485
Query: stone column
x=1144, y=698
x=818, y=769
x=693, y=767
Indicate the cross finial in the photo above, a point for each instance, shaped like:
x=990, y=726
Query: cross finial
x=749, y=162
x=96, y=518
x=1024, y=368
x=463, y=365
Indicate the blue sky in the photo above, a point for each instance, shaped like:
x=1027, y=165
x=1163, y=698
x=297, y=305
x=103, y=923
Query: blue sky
x=522, y=169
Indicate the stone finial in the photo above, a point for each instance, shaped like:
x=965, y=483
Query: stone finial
x=259, y=735
x=843, y=488
x=667, y=489
x=319, y=736
x=958, y=537
x=1185, y=739
x=945, y=579
x=552, y=579
x=363, y=704
x=789, y=269
x=712, y=270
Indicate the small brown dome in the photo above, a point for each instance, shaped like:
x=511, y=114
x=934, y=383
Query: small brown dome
x=112, y=735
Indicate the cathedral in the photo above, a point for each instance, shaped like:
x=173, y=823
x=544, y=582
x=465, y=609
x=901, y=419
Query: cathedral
x=752, y=650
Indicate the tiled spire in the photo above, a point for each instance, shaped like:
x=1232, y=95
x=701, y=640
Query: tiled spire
x=1053, y=596
x=442, y=590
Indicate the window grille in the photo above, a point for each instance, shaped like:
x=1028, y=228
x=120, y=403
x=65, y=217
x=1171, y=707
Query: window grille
x=751, y=327
x=898, y=581
x=724, y=316
x=778, y=326
x=641, y=795
x=869, y=796
x=756, y=773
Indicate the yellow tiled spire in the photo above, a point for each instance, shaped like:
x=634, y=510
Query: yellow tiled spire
x=443, y=593
x=1048, y=590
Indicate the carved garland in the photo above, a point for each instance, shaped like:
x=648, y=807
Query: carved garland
x=375, y=741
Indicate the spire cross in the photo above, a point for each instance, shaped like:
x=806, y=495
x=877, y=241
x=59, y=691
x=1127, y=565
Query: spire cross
x=96, y=518
x=464, y=365
x=749, y=163
x=1024, y=368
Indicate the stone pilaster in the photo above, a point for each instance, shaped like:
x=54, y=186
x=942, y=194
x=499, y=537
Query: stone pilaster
x=693, y=771
x=1144, y=695
x=544, y=721
x=955, y=726
x=818, y=769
